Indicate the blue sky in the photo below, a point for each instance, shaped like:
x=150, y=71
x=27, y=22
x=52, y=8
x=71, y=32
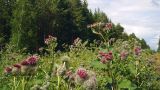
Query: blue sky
x=141, y=17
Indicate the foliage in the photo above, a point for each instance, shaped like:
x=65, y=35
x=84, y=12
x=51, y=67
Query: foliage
x=132, y=72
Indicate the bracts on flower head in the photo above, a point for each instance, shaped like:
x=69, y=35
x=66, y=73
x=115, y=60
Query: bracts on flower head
x=32, y=61
x=137, y=50
x=86, y=78
x=49, y=39
x=105, y=57
x=8, y=70
x=27, y=66
x=81, y=75
x=123, y=55
x=17, y=66
x=16, y=69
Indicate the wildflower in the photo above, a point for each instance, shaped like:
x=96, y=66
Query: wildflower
x=69, y=73
x=102, y=53
x=8, y=70
x=24, y=67
x=17, y=66
x=16, y=69
x=32, y=60
x=103, y=60
x=137, y=50
x=90, y=84
x=77, y=41
x=50, y=39
x=108, y=26
x=82, y=73
x=80, y=76
x=46, y=41
x=41, y=49
x=109, y=56
x=29, y=65
x=105, y=57
x=24, y=62
x=123, y=55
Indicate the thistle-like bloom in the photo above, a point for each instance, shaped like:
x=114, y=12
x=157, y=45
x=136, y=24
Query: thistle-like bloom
x=18, y=66
x=137, y=50
x=80, y=76
x=16, y=69
x=24, y=63
x=32, y=61
x=105, y=57
x=8, y=70
x=69, y=73
x=82, y=73
x=123, y=55
x=90, y=84
x=77, y=41
x=50, y=39
x=29, y=65
x=108, y=26
x=103, y=60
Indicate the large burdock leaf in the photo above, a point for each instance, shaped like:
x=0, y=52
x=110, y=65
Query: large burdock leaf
x=126, y=85
x=98, y=65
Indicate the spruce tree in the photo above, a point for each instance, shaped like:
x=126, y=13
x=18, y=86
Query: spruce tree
x=23, y=25
x=6, y=7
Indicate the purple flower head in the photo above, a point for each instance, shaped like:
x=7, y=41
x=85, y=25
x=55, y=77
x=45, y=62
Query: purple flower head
x=17, y=66
x=82, y=73
x=137, y=50
x=123, y=55
x=105, y=57
x=32, y=60
x=24, y=62
x=8, y=70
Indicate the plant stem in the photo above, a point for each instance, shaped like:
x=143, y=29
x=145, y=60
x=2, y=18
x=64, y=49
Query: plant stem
x=23, y=83
x=58, y=82
x=14, y=83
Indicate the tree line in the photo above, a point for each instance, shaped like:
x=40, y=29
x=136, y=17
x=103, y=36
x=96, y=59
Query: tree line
x=26, y=23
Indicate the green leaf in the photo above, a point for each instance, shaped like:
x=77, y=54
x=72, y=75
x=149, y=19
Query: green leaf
x=98, y=65
x=126, y=84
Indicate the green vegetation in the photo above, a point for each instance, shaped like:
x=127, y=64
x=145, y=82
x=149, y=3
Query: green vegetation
x=62, y=45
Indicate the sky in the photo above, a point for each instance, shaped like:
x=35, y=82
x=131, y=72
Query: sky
x=141, y=17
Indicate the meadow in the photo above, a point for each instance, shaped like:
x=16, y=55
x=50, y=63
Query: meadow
x=100, y=66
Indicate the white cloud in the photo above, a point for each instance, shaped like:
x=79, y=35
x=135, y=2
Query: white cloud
x=136, y=16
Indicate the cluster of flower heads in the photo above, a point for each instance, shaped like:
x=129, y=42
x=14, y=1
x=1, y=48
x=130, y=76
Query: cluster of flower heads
x=49, y=39
x=107, y=26
x=86, y=78
x=80, y=77
x=137, y=50
x=77, y=41
x=25, y=67
x=105, y=57
x=123, y=55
